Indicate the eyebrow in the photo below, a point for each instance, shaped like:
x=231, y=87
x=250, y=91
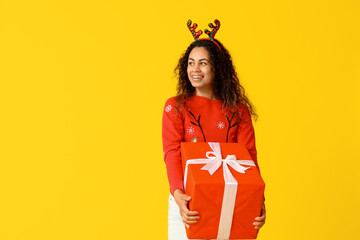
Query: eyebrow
x=202, y=59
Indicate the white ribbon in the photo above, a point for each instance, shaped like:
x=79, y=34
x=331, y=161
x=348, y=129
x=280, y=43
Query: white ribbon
x=213, y=163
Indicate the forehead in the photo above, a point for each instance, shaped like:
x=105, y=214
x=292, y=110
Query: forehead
x=199, y=53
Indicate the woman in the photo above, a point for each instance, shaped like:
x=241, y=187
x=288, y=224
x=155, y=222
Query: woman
x=210, y=106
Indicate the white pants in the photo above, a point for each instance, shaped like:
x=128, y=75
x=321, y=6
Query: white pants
x=176, y=227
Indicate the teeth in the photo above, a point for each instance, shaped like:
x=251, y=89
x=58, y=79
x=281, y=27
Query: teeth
x=197, y=76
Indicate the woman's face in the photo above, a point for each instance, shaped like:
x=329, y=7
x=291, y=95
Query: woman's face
x=199, y=69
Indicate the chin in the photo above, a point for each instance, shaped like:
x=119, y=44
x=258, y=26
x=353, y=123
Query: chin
x=196, y=84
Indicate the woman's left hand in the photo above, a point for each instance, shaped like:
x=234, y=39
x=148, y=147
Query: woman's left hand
x=260, y=221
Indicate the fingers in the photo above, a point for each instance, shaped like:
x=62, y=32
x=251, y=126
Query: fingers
x=260, y=219
x=190, y=214
x=189, y=220
x=185, y=197
x=188, y=217
x=258, y=225
x=263, y=214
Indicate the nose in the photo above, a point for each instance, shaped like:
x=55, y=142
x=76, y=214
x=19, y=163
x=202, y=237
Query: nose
x=196, y=67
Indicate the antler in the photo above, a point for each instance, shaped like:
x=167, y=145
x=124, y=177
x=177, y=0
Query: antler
x=192, y=29
x=214, y=29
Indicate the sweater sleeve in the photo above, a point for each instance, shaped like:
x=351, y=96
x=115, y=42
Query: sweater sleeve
x=172, y=136
x=246, y=134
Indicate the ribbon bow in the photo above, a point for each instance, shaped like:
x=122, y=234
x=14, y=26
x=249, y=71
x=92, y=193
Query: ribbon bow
x=216, y=160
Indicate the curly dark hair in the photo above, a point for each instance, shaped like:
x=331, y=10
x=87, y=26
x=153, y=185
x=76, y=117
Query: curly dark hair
x=226, y=85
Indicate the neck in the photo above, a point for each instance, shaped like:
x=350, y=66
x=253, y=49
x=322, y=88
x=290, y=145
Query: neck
x=208, y=93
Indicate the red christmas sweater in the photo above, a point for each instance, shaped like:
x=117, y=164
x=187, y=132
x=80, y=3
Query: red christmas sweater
x=209, y=122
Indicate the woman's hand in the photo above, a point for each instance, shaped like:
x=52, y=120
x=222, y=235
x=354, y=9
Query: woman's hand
x=188, y=217
x=260, y=221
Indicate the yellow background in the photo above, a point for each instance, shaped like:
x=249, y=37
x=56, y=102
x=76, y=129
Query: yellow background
x=83, y=85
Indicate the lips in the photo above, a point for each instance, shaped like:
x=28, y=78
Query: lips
x=197, y=77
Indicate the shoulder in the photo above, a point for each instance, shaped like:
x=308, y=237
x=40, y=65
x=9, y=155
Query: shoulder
x=242, y=107
x=171, y=109
x=244, y=111
x=171, y=101
x=170, y=104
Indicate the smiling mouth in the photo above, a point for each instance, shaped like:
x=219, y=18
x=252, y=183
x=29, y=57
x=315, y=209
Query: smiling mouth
x=197, y=77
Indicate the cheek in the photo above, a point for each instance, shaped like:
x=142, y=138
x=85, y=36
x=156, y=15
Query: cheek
x=188, y=74
x=212, y=76
x=210, y=72
x=188, y=70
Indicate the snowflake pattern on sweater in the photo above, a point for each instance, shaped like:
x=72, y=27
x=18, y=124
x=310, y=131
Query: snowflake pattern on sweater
x=220, y=125
x=190, y=130
x=168, y=108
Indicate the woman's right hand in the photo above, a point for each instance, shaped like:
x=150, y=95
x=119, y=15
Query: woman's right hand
x=182, y=200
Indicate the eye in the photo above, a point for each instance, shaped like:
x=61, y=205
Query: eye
x=203, y=63
x=191, y=63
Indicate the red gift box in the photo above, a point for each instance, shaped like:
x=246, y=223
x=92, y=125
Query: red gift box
x=227, y=208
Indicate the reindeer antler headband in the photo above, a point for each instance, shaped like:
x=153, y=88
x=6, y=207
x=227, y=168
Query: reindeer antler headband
x=211, y=34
